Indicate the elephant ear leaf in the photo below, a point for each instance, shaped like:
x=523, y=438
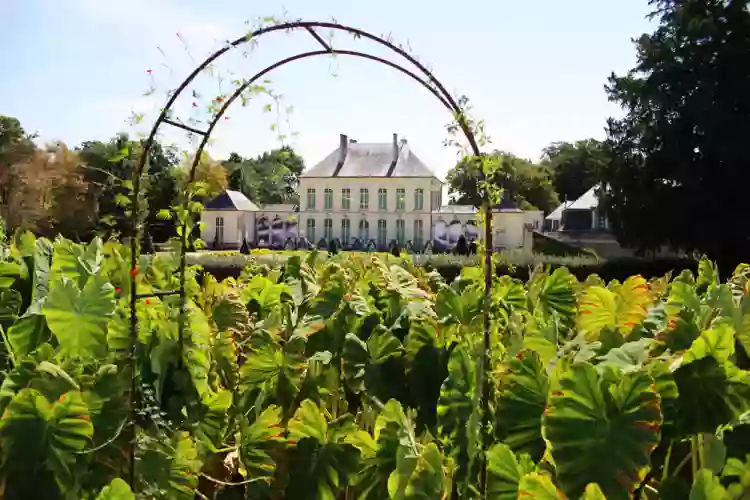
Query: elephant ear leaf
x=116, y=490
x=555, y=293
x=457, y=416
x=521, y=403
x=35, y=431
x=504, y=472
x=538, y=486
x=602, y=432
x=706, y=486
x=79, y=317
x=620, y=309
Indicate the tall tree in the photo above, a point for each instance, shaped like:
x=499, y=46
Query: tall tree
x=109, y=167
x=15, y=147
x=526, y=183
x=574, y=166
x=271, y=177
x=680, y=173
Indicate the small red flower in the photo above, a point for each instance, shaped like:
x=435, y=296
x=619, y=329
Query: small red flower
x=148, y=301
x=134, y=272
x=219, y=99
x=226, y=118
x=195, y=104
x=148, y=71
x=117, y=290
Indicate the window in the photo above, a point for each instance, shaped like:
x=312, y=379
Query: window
x=220, y=230
x=310, y=233
x=346, y=199
x=345, y=231
x=382, y=233
x=418, y=230
x=311, y=199
x=328, y=229
x=419, y=199
x=382, y=199
x=364, y=199
x=400, y=231
x=327, y=199
x=364, y=231
x=400, y=199
x=602, y=222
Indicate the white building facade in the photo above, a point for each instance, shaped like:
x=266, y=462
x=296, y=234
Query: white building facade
x=367, y=196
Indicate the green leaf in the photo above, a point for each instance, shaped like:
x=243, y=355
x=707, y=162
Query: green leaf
x=714, y=453
x=602, y=432
x=706, y=486
x=619, y=310
x=522, y=399
x=196, y=345
x=212, y=427
x=458, y=417
x=504, y=472
x=78, y=318
x=172, y=466
x=418, y=477
x=593, y=492
x=554, y=293
x=539, y=487
x=116, y=490
x=258, y=442
x=39, y=437
x=717, y=342
x=628, y=357
x=308, y=422
x=27, y=333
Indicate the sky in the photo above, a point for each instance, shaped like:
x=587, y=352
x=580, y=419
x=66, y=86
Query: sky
x=77, y=70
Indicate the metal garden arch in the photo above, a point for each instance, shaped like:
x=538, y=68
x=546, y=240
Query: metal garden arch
x=427, y=80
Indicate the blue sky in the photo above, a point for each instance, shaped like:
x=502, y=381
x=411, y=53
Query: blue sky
x=74, y=70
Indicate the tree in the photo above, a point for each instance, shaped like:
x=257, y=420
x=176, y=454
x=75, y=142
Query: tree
x=15, y=147
x=109, y=168
x=680, y=171
x=575, y=167
x=526, y=183
x=49, y=194
x=271, y=177
x=210, y=172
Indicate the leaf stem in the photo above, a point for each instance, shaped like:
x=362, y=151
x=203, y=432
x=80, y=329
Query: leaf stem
x=8, y=348
x=665, y=470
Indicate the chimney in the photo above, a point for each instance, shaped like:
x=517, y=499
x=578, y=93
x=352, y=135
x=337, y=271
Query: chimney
x=395, y=148
x=343, y=149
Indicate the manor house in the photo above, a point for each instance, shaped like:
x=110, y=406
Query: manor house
x=363, y=195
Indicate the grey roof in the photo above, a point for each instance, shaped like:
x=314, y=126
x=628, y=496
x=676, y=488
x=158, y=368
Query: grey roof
x=231, y=200
x=556, y=214
x=586, y=201
x=457, y=209
x=371, y=160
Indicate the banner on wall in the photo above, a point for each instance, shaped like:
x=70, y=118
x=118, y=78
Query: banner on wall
x=276, y=233
x=446, y=235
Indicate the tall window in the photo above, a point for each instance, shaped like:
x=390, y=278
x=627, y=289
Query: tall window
x=345, y=231
x=328, y=229
x=220, y=230
x=400, y=231
x=419, y=199
x=310, y=233
x=364, y=231
x=382, y=233
x=364, y=199
x=311, y=198
x=346, y=199
x=400, y=199
x=382, y=199
x=418, y=230
x=328, y=199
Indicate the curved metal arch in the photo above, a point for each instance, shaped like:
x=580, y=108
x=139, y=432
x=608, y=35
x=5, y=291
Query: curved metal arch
x=438, y=92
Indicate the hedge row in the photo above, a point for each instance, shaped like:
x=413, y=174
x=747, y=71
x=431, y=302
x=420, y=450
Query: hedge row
x=619, y=269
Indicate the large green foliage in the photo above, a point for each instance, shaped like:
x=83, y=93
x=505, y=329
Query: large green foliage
x=680, y=150
x=360, y=377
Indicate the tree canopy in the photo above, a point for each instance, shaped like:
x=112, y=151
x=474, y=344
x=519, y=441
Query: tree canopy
x=680, y=172
x=268, y=178
x=526, y=183
x=575, y=166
